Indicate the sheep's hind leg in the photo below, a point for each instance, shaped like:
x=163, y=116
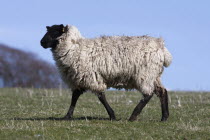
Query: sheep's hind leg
x=102, y=98
x=75, y=97
x=139, y=107
x=163, y=95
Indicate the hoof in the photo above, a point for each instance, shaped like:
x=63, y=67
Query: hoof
x=66, y=118
x=164, y=119
x=131, y=119
x=112, y=119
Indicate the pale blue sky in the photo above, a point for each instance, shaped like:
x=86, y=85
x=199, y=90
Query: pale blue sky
x=184, y=24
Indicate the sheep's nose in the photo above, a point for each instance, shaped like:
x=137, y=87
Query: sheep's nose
x=42, y=42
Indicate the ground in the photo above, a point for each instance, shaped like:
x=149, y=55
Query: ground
x=25, y=114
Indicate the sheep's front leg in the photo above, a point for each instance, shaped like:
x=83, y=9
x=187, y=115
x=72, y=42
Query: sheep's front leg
x=139, y=107
x=75, y=97
x=163, y=95
x=102, y=98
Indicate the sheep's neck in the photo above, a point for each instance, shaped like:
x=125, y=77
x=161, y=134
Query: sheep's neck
x=61, y=52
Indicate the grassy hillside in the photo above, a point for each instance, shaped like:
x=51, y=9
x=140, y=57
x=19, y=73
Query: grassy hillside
x=25, y=114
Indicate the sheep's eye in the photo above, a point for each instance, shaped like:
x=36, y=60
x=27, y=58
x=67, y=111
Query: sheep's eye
x=54, y=34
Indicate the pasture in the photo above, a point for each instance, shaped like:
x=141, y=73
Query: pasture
x=33, y=113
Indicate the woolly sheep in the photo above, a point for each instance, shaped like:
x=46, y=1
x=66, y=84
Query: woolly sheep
x=135, y=62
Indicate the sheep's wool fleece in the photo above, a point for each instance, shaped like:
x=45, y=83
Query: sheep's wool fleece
x=111, y=61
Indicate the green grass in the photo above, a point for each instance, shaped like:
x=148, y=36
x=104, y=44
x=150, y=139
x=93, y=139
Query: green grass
x=25, y=114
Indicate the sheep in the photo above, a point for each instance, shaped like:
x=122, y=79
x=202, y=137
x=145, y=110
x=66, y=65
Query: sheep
x=129, y=62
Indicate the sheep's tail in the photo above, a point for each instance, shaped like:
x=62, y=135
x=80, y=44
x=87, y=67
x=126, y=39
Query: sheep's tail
x=167, y=57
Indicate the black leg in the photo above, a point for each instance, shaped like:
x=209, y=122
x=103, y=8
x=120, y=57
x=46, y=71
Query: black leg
x=75, y=97
x=102, y=98
x=139, y=107
x=164, y=104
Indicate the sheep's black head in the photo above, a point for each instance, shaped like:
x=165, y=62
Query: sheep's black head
x=50, y=39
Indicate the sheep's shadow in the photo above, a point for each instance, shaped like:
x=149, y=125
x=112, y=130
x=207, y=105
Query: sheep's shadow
x=62, y=119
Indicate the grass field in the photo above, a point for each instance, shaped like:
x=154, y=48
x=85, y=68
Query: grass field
x=25, y=115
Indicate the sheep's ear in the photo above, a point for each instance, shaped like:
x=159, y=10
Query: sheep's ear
x=62, y=28
x=48, y=27
x=66, y=28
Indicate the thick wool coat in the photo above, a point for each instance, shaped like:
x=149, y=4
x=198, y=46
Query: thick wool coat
x=135, y=62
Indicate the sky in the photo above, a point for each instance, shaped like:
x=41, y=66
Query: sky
x=183, y=24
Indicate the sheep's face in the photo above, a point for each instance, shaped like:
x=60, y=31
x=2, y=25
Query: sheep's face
x=50, y=39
